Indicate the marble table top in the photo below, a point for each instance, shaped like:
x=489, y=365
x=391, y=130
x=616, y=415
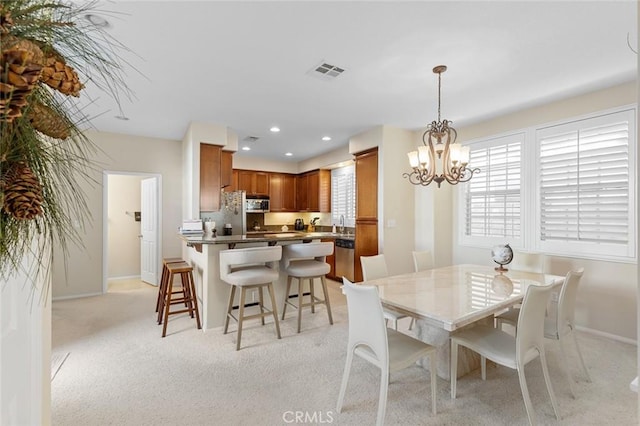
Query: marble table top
x=454, y=296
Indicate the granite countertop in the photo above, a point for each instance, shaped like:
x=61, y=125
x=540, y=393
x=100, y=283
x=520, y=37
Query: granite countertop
x=256, y=237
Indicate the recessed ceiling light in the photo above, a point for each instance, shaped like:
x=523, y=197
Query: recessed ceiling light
x=96, y=20
x=246, y=148
x=275, y=129
x=122, y=117
x=288, y=154
x=326, y=138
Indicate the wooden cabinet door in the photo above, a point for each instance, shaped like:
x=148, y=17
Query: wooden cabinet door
x=367, y=185
x=366, y=208
x=245, y=181
x=302, y=200
x=288, y=193
x=324, y=191
x=210, y=156
x=234, y=186
x=313, y=191
x=261, y=183
x=226, y=169
x=276, y=182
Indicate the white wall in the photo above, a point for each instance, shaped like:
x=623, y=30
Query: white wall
x=125, y=153
x=123, y=230
x=607, y=300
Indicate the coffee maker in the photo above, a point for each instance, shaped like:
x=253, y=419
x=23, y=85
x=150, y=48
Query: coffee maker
x=299, y=225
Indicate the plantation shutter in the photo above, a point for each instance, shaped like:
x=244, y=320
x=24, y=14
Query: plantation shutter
x=492, y=198
x=584, y=175
x=343, y=196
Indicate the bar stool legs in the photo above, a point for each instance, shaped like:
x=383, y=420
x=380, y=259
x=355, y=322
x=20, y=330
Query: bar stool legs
x=188, y=294
x=241, y=308
x=313, y=300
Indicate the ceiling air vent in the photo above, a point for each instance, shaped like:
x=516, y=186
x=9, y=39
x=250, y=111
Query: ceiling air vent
x=250, y=139
x=325, y=71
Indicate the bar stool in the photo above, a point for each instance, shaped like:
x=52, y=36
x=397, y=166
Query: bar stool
x=307, y=261
x=164, y=280
x=188, y=294
x=250, y=268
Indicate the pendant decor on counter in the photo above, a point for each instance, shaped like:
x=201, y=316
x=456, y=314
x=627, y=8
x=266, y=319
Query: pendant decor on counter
x=502, y=255
x=49, y=48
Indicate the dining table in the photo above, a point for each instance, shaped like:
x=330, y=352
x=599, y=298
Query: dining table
x=446, y=299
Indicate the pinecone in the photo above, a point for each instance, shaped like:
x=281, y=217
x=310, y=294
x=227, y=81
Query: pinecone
x=48, y=121
x=22, y=192
x=57, y=74
x=19, y=73
x=5, y=20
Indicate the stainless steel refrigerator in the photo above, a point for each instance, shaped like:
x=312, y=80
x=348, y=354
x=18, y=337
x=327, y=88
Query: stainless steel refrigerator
x=232, y=212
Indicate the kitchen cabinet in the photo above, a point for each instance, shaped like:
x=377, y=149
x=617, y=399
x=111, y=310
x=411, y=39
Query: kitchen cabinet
x=226, y=169
x=233, y=186
x=314, y=191
x=253, y=182
x=282, y=192
x=366, y=208
x=215, y=166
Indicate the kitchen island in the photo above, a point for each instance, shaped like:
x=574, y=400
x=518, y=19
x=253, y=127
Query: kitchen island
x=203, y=253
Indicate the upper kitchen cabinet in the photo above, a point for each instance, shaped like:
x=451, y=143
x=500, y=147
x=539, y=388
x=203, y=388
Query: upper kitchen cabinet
x=282, y=192
x=215, y=173
x=314, y=191
x=253, y=182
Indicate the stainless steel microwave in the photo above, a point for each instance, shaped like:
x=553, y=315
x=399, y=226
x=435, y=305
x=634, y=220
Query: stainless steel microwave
x=257, y=205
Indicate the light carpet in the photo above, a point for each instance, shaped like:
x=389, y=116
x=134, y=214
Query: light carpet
x=123, y=373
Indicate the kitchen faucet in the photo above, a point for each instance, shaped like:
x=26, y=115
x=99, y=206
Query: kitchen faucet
x=342, y=224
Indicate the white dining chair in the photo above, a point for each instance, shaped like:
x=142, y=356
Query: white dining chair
x=374, y=267
x=522, y=261
x=422, y=260
x=509, y=351
x=560, y=326
x=387, y=349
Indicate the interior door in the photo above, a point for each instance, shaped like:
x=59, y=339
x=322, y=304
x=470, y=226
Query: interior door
x=149, y=231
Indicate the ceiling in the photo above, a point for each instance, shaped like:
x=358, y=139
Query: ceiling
x=248, y=65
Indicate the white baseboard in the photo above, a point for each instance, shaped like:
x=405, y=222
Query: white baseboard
x=126, y=277
x=76, y=296
x=607, y=335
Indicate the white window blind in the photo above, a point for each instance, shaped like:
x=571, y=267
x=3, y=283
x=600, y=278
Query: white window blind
x=343, y=196
x=584, y=181
x=493, y=196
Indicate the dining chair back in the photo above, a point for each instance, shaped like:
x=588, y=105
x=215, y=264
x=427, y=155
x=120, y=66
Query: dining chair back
x=372, y=341
x=373, y=268
x=560, y=327
x=422, y=260
x=509, y=351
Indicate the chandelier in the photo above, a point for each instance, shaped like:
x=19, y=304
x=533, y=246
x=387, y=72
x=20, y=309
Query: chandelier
x=440, y=139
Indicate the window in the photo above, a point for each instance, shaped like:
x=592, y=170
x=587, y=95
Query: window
x=492, y=199
x=343, y=196
x=566, y=189
x=585, y=185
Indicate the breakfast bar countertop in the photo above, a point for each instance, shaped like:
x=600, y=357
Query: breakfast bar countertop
x=270, y=237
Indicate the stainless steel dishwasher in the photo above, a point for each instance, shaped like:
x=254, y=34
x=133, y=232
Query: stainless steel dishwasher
x=344, y=258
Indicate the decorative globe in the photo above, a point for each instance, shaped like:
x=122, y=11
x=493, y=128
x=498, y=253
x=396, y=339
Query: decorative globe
x=502, y=255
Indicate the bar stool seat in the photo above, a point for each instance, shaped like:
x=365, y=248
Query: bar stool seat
x=188, y=294
x=306, y=261
x=164, y=280
x=250, y=268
